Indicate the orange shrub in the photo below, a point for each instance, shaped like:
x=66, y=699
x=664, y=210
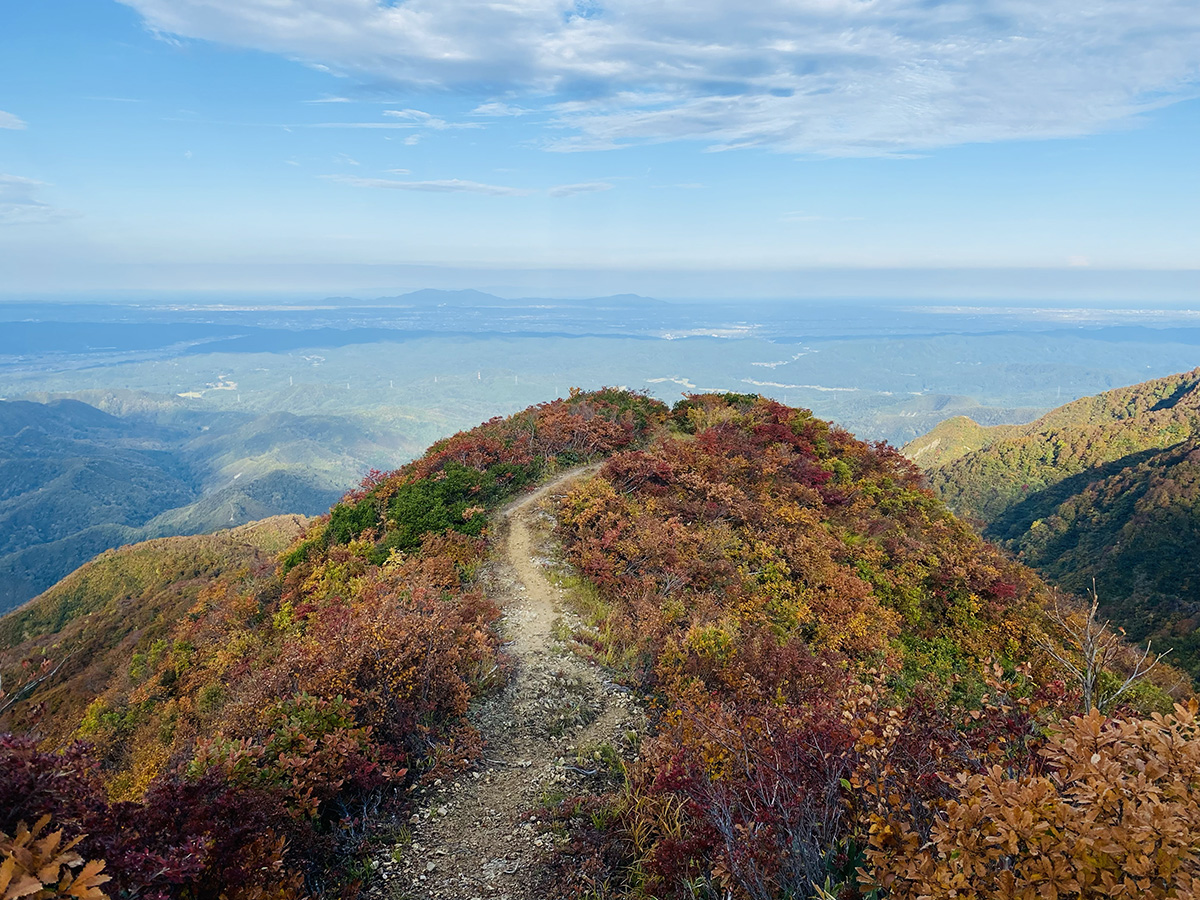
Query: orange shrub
x=1115, y=814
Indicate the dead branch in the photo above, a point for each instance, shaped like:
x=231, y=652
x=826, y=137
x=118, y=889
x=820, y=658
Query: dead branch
x=1087, y=650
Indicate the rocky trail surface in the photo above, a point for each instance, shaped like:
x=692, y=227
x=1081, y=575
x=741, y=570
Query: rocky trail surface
x=546, y=733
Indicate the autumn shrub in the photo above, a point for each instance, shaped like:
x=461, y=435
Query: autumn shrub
x=769, y=518
x=200, y=838
x=1111, y=808
x=204, y=838
x=312, y=750
x=793, y=603
x=465, y=476
x=302, y=703
x=744, y=797
x=38, y=864
x=34, y=782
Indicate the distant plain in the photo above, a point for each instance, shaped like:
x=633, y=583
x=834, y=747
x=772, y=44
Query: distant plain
x=243, y=407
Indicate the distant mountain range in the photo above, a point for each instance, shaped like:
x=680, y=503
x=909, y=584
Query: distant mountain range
x=76, y=480
x=1104, y=488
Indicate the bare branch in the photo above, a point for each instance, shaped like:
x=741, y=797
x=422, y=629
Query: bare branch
x=1096, y=645
x=1137, y=675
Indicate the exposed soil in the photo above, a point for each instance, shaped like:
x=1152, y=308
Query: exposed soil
x=480, y=836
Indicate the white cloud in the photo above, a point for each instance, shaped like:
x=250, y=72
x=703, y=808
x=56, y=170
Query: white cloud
x=587, y=187
x=384, y=125
x=408, y=119
x=21, y=203
x=413, y=115
x=420, y=119
x=832, y=77
x=446, y=186
x=8, y=120
x=495, y=108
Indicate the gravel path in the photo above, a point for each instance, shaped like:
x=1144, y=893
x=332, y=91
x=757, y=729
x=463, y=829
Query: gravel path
x=479, y=837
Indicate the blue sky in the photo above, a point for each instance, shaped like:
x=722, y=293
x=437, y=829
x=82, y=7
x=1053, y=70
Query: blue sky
x=330, y=144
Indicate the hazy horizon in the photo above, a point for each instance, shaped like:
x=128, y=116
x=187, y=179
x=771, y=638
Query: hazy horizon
x=996, y=286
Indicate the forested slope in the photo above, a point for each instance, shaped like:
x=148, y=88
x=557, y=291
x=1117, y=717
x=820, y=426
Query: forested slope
x=1103, y=488
x=76, y=480
x=951, y=439
x=1070, y=440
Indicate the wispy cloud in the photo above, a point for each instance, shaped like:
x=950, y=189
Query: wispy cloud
x=445, y=186
x=402, y=119
x=419, y=119
x=21, y=203
x=825, y=77
x=498, y=109
x=8, y=120
x=587, y=187
x=404, y=126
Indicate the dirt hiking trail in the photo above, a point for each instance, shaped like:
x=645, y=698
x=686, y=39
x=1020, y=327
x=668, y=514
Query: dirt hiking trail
x=479, y=836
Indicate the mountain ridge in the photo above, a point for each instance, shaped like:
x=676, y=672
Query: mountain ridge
x=784, y=618
x=1099, y=490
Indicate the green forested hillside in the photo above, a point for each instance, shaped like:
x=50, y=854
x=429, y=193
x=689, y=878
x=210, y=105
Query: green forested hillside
x=66, y=466
x=1070, y=440
x=952, y=439
x=1137, y=533
x=1104, y=488
x=76, y=480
